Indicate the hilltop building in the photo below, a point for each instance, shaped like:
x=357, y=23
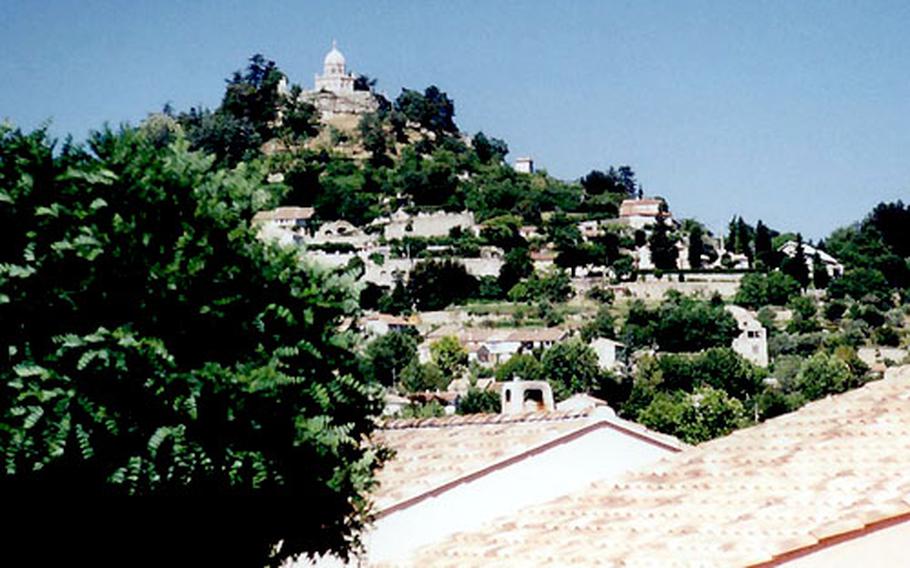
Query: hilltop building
x=335, y=91
x=524, y=165
x=642, y=212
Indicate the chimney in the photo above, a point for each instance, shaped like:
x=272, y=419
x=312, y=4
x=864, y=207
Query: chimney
x=518, y=397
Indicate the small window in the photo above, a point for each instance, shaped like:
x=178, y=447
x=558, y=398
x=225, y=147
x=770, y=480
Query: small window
x=508, y=395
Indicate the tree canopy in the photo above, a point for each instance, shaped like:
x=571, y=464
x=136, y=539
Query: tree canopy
x=153, y=346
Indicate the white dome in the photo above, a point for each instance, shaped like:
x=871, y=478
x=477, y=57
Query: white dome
x=334, y=57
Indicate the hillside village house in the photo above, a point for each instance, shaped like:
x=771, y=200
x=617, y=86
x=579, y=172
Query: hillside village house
x=752, y=341
x=494, y=346
x=381, y=324
x=825, y=486
x=640, y=213
x=456, y=473
x=608, y=352
x=832, y=265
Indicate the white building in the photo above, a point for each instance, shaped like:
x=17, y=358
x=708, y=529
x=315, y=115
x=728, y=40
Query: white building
x=524, y=165
x=334, y=91
x=607, y=351
x=752, y=341
x=832, y=265
x=641, y=213
x=457, y=473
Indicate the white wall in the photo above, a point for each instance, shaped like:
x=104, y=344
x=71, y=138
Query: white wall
x=599, y=455
x=885, y=547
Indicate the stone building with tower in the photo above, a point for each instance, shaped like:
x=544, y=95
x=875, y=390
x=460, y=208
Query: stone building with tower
x=335, y=91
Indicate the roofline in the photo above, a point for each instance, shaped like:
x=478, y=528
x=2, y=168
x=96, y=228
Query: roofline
x=833, y=540
x=574, y=435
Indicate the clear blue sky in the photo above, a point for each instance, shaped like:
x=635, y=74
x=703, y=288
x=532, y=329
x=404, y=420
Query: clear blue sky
x=795, y=112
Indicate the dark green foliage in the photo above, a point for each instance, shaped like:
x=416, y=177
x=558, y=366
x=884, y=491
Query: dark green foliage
x=153, y=346
x=422, y=377
x=387, y=356
x=621, y=182
x=553, y=287
x=571, y=367
x=375, y=139
x=765, y=255
x=477, y=401
x=434, y=284
x=432, y=109
x=449, y=356
x=520, y=366
x=804, y=312
x=489, y=150
x=694, y=418
x=696, y=247
x=823, y=374
x=681, y=323
x=663, y=245
x=886, y=335
x=229, y=138
x=758, y=289
x=835, y=309
x=796, y=266
x=603, y=325
x=719, y=367
x=820, y=276
x=858, y=282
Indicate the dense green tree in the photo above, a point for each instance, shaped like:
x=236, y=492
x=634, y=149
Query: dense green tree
x=229, y=138
x=603, y=325
x=697, y=417
x=253, y=95
x=820, y=276
x=477, y=401
x=489, y=150
x=757, y=290
x=388, y=355
x=765, y=255
x=859, y=282
x=434, y=284
x=299, y=119
x=663, y=245
x=696, y=247
x=431, y=109
x=804, y=311
x=422, y=377
x=553, y=286
x=681, y=323
x=571, y=367
x=450, y=356
x=796, y=266
x=823, y=374
x=520, y=366
x=153, y=346
x=516, y=266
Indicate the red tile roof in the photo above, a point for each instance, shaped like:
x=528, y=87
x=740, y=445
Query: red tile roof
x=827, y=472
x=432, y=454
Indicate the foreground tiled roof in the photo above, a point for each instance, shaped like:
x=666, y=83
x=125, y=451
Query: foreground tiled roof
x=434, y=453
x=791, y=485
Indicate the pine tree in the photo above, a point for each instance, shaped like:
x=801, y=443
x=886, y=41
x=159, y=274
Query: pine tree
x=764, y=251
x=663, y=245
x=696, y=247
x=820, y=276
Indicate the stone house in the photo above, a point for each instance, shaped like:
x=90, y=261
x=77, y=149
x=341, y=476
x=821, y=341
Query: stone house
x=752, y=341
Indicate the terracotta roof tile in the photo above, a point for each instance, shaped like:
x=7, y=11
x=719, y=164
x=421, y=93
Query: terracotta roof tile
x=833, y=467
x=432, y=453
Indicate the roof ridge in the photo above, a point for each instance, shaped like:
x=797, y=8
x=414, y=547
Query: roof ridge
x=483, y=419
